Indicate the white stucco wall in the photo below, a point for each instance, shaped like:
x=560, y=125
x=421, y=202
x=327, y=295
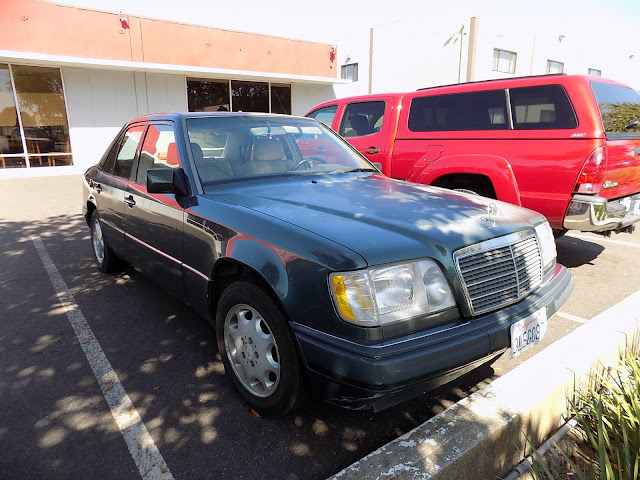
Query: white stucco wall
x=304, y=96
x=100, y=102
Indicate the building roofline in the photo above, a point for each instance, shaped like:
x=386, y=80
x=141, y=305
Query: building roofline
x=44, y=59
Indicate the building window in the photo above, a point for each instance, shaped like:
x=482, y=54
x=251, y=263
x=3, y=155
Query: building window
x=595, y=72
x=555, y=67
x=504, y=61
x=208, y=95
x=249, y=96
x=36, y=133
x=280, y=98
x=205, y=95
x=349, y=72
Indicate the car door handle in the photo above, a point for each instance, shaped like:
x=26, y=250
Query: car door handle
x=130, y=201
x=372, y=150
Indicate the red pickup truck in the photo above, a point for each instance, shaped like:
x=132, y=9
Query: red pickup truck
x=567, y=146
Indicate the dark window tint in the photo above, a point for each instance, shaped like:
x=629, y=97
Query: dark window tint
x=208, y=96
x=362, y=118
x=281, y=99
x=464, y=111
x=158, y=151
x=619, y=107
x=250, y=96
x=127, y=151
x=324, y=115
x=542, y=107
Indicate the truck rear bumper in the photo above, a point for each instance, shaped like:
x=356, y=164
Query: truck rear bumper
x=597, y=214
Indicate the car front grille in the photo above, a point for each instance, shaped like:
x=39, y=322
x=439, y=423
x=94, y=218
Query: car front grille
x=500, y=271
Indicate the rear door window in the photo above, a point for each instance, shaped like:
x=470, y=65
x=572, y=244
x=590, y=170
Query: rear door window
x=619, y=108
x=541, y=107
x=362, y=118
x=485, y=110
x=121, y=167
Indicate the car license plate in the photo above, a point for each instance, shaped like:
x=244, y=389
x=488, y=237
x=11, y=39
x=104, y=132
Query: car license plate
x=528, y=332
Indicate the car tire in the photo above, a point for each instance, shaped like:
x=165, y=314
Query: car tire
x=559, y=233
x=466, y=190
x=104, y=256
x=257, y=349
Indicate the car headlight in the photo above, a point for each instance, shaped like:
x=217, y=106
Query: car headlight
x=391, y=293
x=547, y=245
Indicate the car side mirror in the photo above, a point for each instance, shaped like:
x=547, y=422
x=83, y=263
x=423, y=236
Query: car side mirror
x=167, y=180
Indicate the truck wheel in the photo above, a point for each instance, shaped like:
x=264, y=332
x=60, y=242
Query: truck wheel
x=104, y=256
x=466, y=190
x=257, y=349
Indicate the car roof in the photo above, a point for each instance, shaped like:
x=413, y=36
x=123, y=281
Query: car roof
x=177, y=116
x=497, y=83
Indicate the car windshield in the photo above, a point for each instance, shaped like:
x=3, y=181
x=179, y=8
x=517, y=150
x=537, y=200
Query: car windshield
x=619, y=108
x=227, y=148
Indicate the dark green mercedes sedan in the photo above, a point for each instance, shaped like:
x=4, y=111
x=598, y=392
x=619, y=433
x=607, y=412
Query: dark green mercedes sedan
x=319, y=273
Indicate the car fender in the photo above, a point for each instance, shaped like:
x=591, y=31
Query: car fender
x=497, y=169
x=266, y=261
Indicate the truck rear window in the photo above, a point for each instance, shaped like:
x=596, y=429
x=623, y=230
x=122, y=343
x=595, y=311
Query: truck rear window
x=619, y=108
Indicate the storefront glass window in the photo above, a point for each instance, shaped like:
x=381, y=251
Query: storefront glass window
x=250, y=96
x=40, y=121
x=208, y=95
x=10, y=136
x=280, y=98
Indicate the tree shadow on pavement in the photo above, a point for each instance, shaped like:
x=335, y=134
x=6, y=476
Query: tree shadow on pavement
x=56, y=424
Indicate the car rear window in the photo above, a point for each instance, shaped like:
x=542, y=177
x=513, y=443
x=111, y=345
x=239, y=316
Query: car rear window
x=486, y=110
x=541, y=107
x=619, y=108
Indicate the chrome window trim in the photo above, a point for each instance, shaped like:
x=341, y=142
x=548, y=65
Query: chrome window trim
x=168, y=257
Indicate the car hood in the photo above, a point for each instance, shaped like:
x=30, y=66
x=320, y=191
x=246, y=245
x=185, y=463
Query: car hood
x=381, y=219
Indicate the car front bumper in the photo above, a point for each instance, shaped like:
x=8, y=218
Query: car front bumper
x=380, y=375
x=597, y=214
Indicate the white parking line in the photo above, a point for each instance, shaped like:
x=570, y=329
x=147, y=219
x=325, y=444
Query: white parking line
x=148, y=459
x=568, y=316
x=600, y=238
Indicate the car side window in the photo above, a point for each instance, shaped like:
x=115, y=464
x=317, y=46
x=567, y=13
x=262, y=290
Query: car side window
x=542, y=107
x=127, y=151
x=159, y=150
x=362, y=119
x=325, y=114
x=485, y=110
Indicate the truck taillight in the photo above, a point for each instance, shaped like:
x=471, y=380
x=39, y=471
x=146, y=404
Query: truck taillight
x=592, y=174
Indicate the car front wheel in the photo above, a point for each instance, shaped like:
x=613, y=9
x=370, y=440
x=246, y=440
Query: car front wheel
x=257, y=349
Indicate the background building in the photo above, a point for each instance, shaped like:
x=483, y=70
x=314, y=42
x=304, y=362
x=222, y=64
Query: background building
x=441, y=49
x=71, y=77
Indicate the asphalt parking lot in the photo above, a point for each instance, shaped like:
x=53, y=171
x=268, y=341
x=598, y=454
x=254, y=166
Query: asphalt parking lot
x=56, y=422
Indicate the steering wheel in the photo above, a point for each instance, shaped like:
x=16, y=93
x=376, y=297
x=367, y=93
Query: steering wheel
x=309, y=161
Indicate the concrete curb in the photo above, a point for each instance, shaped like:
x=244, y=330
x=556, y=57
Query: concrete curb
x=483, y=435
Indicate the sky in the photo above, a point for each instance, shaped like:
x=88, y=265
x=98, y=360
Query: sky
x=331, y=20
